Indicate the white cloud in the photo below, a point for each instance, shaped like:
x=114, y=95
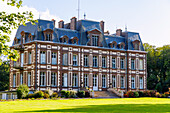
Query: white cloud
x=43, y=15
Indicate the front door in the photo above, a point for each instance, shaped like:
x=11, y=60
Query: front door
x=95, y=82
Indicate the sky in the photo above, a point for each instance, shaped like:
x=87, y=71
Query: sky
x=151, y=18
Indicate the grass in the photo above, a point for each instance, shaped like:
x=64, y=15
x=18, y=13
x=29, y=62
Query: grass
x=88, y=105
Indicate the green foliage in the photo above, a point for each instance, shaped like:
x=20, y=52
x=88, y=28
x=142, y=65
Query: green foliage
x=4, y=76
x=73, y=94
x=136, y=94
x=87, y=94
x=81, y=94
x=55, y=94
x=140, y=94
x=38, y=94
x=10, y=22
x=22, y=91
x=46, y=95
x=159, y=87
x=63, y=93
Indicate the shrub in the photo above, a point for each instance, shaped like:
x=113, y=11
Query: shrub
x=140, y=93
x=30, y=96
x=153, y=93
x=46, y=91
x=46, y=95
x=136, y=94
x=166, y=94
x=65, y=93
x=87, y=94
x=38, y=94
x=159, y=87
x=146, y=94
x=81, y=94
x=125, y=96
x=55, y=94
x=130, y=94
x=73, y=94
x=158, y=95
x=163, y=96
x=22, y=91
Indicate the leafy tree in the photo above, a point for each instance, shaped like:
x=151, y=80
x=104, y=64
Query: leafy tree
x=22, y=91
x=4, y=76
x=9, y=22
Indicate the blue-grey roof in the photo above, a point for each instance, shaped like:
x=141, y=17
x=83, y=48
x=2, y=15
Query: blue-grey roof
x=83, y=26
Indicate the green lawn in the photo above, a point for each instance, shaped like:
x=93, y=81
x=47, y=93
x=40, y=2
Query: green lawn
x=89, y=105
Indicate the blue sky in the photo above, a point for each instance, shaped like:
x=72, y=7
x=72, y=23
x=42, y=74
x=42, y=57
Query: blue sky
x=151, y=18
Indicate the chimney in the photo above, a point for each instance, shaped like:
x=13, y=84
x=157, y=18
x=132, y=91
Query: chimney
x=61, y=24
x=73, y=23
x=53, y=22
x=119, y=32
x=102, y=25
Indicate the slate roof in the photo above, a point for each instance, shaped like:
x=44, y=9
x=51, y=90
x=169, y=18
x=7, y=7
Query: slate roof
x=83, y=26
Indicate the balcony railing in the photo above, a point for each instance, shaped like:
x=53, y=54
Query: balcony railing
x=18, y=65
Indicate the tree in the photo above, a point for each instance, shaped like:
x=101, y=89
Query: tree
x=4, y=76
x=9, y=22
x=22, y=91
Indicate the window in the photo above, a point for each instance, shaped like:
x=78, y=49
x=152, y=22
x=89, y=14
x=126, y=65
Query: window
x=122, y=63
x=122, y=46
x=94, y=61
x=103, y=81
x=113, y=45
x=136, y=46
x=133, y=82
x=65, y=59
x=122, y=82
x=29, y=78
x=14, y=80
x=74, y=60
x=22, y=59
x=42, y=79
x=54, y=59
x=95, y=40
x=53, y=79
x=48, y=37
x=43, y=57
x=64, y=80
x=75, y=80
x=64, y=40
x=74, y=41
x=85, y=80
x=104, y=62
x=141, y=82
x=114, y=63
x=85, y=60
x=141, y=64
x=21, y=79
x=114, y=81
x=29, y=58
x=132, y=64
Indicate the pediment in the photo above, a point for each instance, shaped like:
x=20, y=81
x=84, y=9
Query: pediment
x=95, y=31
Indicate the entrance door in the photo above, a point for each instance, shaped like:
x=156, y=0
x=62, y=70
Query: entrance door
x=95, y=82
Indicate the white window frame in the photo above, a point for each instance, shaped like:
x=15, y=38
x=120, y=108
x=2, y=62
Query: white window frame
x=64, y=80
x=54, y=58
x=48, y=36
x=114, y=81
x=140, y=82
x=103, y=81
x=75, y=80
x=22, y=59
x=14, y=80
x=85, y=60
x=133, y=82
x=42, y=79
x=104, y=62
x=65, y=59
x=29, y=79
x=95, y=40
x=95, y=64
x=21, y=79
x=43, y=57
x=114, y=63
x=122, y=85
x=75, y=60
x=53, y=79
x=122, y=63
x=86, y=81
x=132, y=64
x=29, y=58
x=140, y=64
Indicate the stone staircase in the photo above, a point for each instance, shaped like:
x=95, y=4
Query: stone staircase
x=104, y=94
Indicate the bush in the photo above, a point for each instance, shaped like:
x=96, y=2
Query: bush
x=46, y=91
x=158, y=95
x=130, y=94
x=81, y=94
x=55, y=94
x=163, y=96
x=65, y=94
x=22, y=91
x=38, y=94
x=140, y=93
x=73, y=94
x=166, y=94
x=46, y=95
x=153, y=93
x=87, y=94
x=158, y=87
x=136, y=94
x=30, y=96
x=146, y=94
x=125, y=96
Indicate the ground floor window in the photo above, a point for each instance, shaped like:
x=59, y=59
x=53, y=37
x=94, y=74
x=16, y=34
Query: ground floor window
x=14, y=80
x=42, y=79
x=29, y=78
x=133, y=82
x=141, y=82
x=114, y=81
x=85, y=80
x=64, y=80
x=94, y=80
x=21, y=78
x=53, y=79
x=122, y=82
x=75, y=80
x=103, y=81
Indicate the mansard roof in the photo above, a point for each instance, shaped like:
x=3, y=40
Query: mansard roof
x=83, y=27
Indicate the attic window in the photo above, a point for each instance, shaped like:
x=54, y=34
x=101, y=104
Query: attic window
x=136, y=44
x=95, y=40
x=64, y=40
x=122, y=46
x=48, y=37
x=74, y=41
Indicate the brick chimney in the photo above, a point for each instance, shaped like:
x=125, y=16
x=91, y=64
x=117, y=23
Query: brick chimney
x=53, y=22
x=119, y=32
x=102, y=25
x=61, y=24
x=73, y=23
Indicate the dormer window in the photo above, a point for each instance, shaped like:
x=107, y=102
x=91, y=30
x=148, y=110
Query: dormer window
x=113, y=44
x=95, y=40
x=48, y=34
x=64, y=39
x=122, y=45
x=74, y=41
x=136, y=44
x=48, y=37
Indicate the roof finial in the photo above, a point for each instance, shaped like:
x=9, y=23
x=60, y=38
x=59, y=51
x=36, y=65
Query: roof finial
x=78, y=8
x=84, y=15
x=125, y=27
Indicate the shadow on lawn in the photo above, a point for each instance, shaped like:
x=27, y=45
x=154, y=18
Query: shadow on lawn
x=114, y=108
